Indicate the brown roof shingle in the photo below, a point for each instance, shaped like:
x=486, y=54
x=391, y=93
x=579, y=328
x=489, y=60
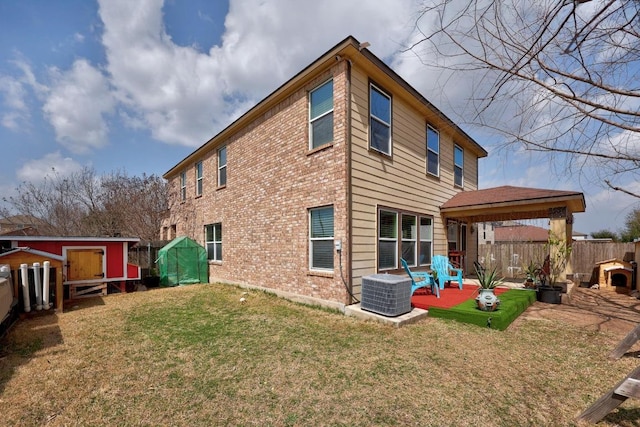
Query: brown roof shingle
x=504, y=194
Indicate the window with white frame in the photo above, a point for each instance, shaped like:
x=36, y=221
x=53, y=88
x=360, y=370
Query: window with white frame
x=387, y=240
x=415, y=241
x=213, y=241
x=321, y=115
x=199, y=179
x=321, y=238
x=379, y=120
x=433, y=151
x=222, y=166
x=183, y=186
x=409, y=238
x=458, y=166
x=426, y=240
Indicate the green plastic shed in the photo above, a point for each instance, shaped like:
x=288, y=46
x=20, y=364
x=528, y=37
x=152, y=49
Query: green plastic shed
x=182, y=262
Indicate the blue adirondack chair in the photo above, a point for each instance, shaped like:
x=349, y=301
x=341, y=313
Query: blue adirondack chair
x=445, y=271
x=421, y=279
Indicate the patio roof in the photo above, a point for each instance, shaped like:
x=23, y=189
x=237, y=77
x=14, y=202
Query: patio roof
x=511, y=203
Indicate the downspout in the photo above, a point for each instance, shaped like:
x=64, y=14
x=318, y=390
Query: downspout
x=349, y=195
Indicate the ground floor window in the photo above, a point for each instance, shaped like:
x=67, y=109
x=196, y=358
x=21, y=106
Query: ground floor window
x=321, y=238
x=426, y=240
x=415, y=244
x=387, y=240
x=409, y=238
x=213, y=241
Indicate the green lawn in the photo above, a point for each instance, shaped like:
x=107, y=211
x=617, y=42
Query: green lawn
x=197, y=356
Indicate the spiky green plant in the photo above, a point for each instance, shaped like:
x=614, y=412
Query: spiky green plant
x=488, y=278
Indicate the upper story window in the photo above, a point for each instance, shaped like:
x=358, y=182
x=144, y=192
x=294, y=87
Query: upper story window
x=321, y=238
x=433, y=151
x=321, y=115
x=458, y=166
x=199, y=179
x=222, y=166
x=379, y=120
x=183, y=186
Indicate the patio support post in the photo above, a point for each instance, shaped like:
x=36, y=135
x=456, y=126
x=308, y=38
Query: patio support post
x=561, y=226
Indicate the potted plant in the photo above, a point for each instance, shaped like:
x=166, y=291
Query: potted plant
x=550, y=291
x=488, y=280
x=530, y=273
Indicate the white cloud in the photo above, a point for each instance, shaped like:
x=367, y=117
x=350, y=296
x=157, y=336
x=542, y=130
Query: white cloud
x=36, y=170
x=185, y=96
x=76, y=107
x=16, y=115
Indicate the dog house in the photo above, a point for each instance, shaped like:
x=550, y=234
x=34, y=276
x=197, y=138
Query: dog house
x=615, y=274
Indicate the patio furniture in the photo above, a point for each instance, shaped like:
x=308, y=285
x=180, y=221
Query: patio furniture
x=445, y=271
x=421, y=280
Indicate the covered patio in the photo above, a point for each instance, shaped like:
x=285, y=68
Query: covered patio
x=490, y=205
x=509, y=203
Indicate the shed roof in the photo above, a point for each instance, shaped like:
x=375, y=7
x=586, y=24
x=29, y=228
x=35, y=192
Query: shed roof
x=32, y=251
x=69, y=239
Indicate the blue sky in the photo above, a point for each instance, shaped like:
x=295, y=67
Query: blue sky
x=137, y=85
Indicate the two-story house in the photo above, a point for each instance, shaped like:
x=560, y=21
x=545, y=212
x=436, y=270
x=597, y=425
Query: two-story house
x=336, y=175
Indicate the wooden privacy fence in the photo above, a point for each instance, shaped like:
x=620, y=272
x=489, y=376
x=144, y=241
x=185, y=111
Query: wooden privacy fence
x=511, y=258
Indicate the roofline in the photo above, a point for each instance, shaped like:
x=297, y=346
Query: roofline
x=543, y=199
x=77, y=239
x=406, y=86
x=33, y=251
x=349, y=43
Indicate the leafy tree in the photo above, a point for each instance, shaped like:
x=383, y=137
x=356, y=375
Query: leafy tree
x=551, y=76
x=632, y=226
x=605, y=234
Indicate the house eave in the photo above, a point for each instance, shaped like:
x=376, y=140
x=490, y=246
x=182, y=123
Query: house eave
x=514, y=210
x=348, y=49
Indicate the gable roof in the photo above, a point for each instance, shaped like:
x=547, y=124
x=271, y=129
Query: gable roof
x=350, y=49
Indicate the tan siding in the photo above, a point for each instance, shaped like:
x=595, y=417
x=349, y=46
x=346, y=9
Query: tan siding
x=399, y=182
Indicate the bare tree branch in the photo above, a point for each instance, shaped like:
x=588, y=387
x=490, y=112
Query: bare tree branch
x=565, y=75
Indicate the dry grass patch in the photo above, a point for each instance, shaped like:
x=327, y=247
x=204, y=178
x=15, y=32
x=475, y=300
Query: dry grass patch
x=197, y=356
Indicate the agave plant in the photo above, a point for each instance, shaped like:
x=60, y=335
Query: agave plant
x=488, y=278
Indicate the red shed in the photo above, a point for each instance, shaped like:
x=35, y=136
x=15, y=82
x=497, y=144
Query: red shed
x=89, y=264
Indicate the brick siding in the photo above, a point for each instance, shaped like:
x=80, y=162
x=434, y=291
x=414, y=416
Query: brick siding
x=272, y=181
